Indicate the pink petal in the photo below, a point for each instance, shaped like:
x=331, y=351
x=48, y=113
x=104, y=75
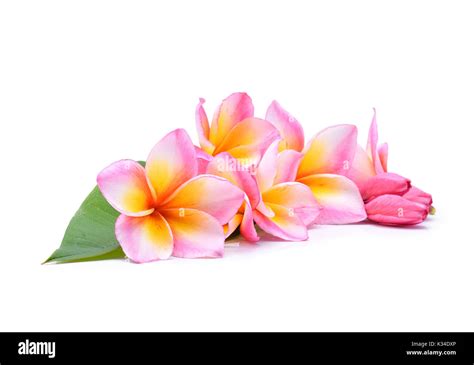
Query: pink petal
x=267, y=168
x=265, y=210
x=383, y=155
x=418, y=196
x=247, y=228
x=203, y=159
x=202, y=126
x=233, y=110
x=372, y=145
x=295, y=197
x=287, y=166
x=195, y=233
x=362, y=168
x=395, y=210
x=338, y=197
x=226, y=166
x=233, y=224
x=171, y=163
x=208, y=193
x=385, y=183
x=331, y=151
x=144, y=239
x=290, y=129
x=125, y=187
x=284, y=224
x=248, y=140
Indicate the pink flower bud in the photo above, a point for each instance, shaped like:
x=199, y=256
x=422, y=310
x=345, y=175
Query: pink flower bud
x=395, y=210
x=385, y=183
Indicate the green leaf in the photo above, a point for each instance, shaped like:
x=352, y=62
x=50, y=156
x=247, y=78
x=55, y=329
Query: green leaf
x=90, y=234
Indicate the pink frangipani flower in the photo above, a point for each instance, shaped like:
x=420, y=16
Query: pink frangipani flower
x=389, y=198
x=326, y=158
x=278, y=205
x=165, y=208
x=235, y=130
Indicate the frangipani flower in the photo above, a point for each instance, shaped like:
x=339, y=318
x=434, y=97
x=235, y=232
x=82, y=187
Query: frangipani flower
x=389, y=198
x=287, y=207
x=165, y=208
x=235, y=130
x=279, y=205
x=327, y=157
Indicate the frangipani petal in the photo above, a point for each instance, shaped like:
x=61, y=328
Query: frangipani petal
x=233, y=224
x=228, y=167
x=330, y=151
x=171, y=163
x=287, y=166
x=125, y=187
x=247, y=227
x=290, y=129
x=208, y=193
x=338, y=197
x=362, y=168
x=203, y=159
x=284, y=224
x=383, y=155
x=202, y=126
x=233, y=110
x=144, y=239
x=253, y=133
x=372, y=145
x=195, y=233
x=296, y=198
x=267, y=168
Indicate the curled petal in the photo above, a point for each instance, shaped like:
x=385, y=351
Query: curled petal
x=203, y=159
x=195, y=233
x=228, y=167
x=247, y=228
x=284, y=224
x=267, y=168
x=418, y=196
x=171, y=163
x=287, y=166
x=338, y=197
x=385, y=183
x=208, y=193
x=254, y=132
x=233, y=224
x=383, y=155
x=290, y=129
x=125, y=187
x=202, y=126
x=395, y=210
x=144, y=239
x=372, y=145
x=330, y=151
x=295, y=197
x=233, y=110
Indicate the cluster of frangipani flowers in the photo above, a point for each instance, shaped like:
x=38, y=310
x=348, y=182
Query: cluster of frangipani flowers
x=252, y=174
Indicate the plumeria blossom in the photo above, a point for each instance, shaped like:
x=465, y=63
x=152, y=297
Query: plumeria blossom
x=325, y=160
x=274, y=201
x=166, y=209
x=389, y=198
x=234, y=130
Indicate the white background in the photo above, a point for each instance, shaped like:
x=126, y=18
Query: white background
x=85, y=83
